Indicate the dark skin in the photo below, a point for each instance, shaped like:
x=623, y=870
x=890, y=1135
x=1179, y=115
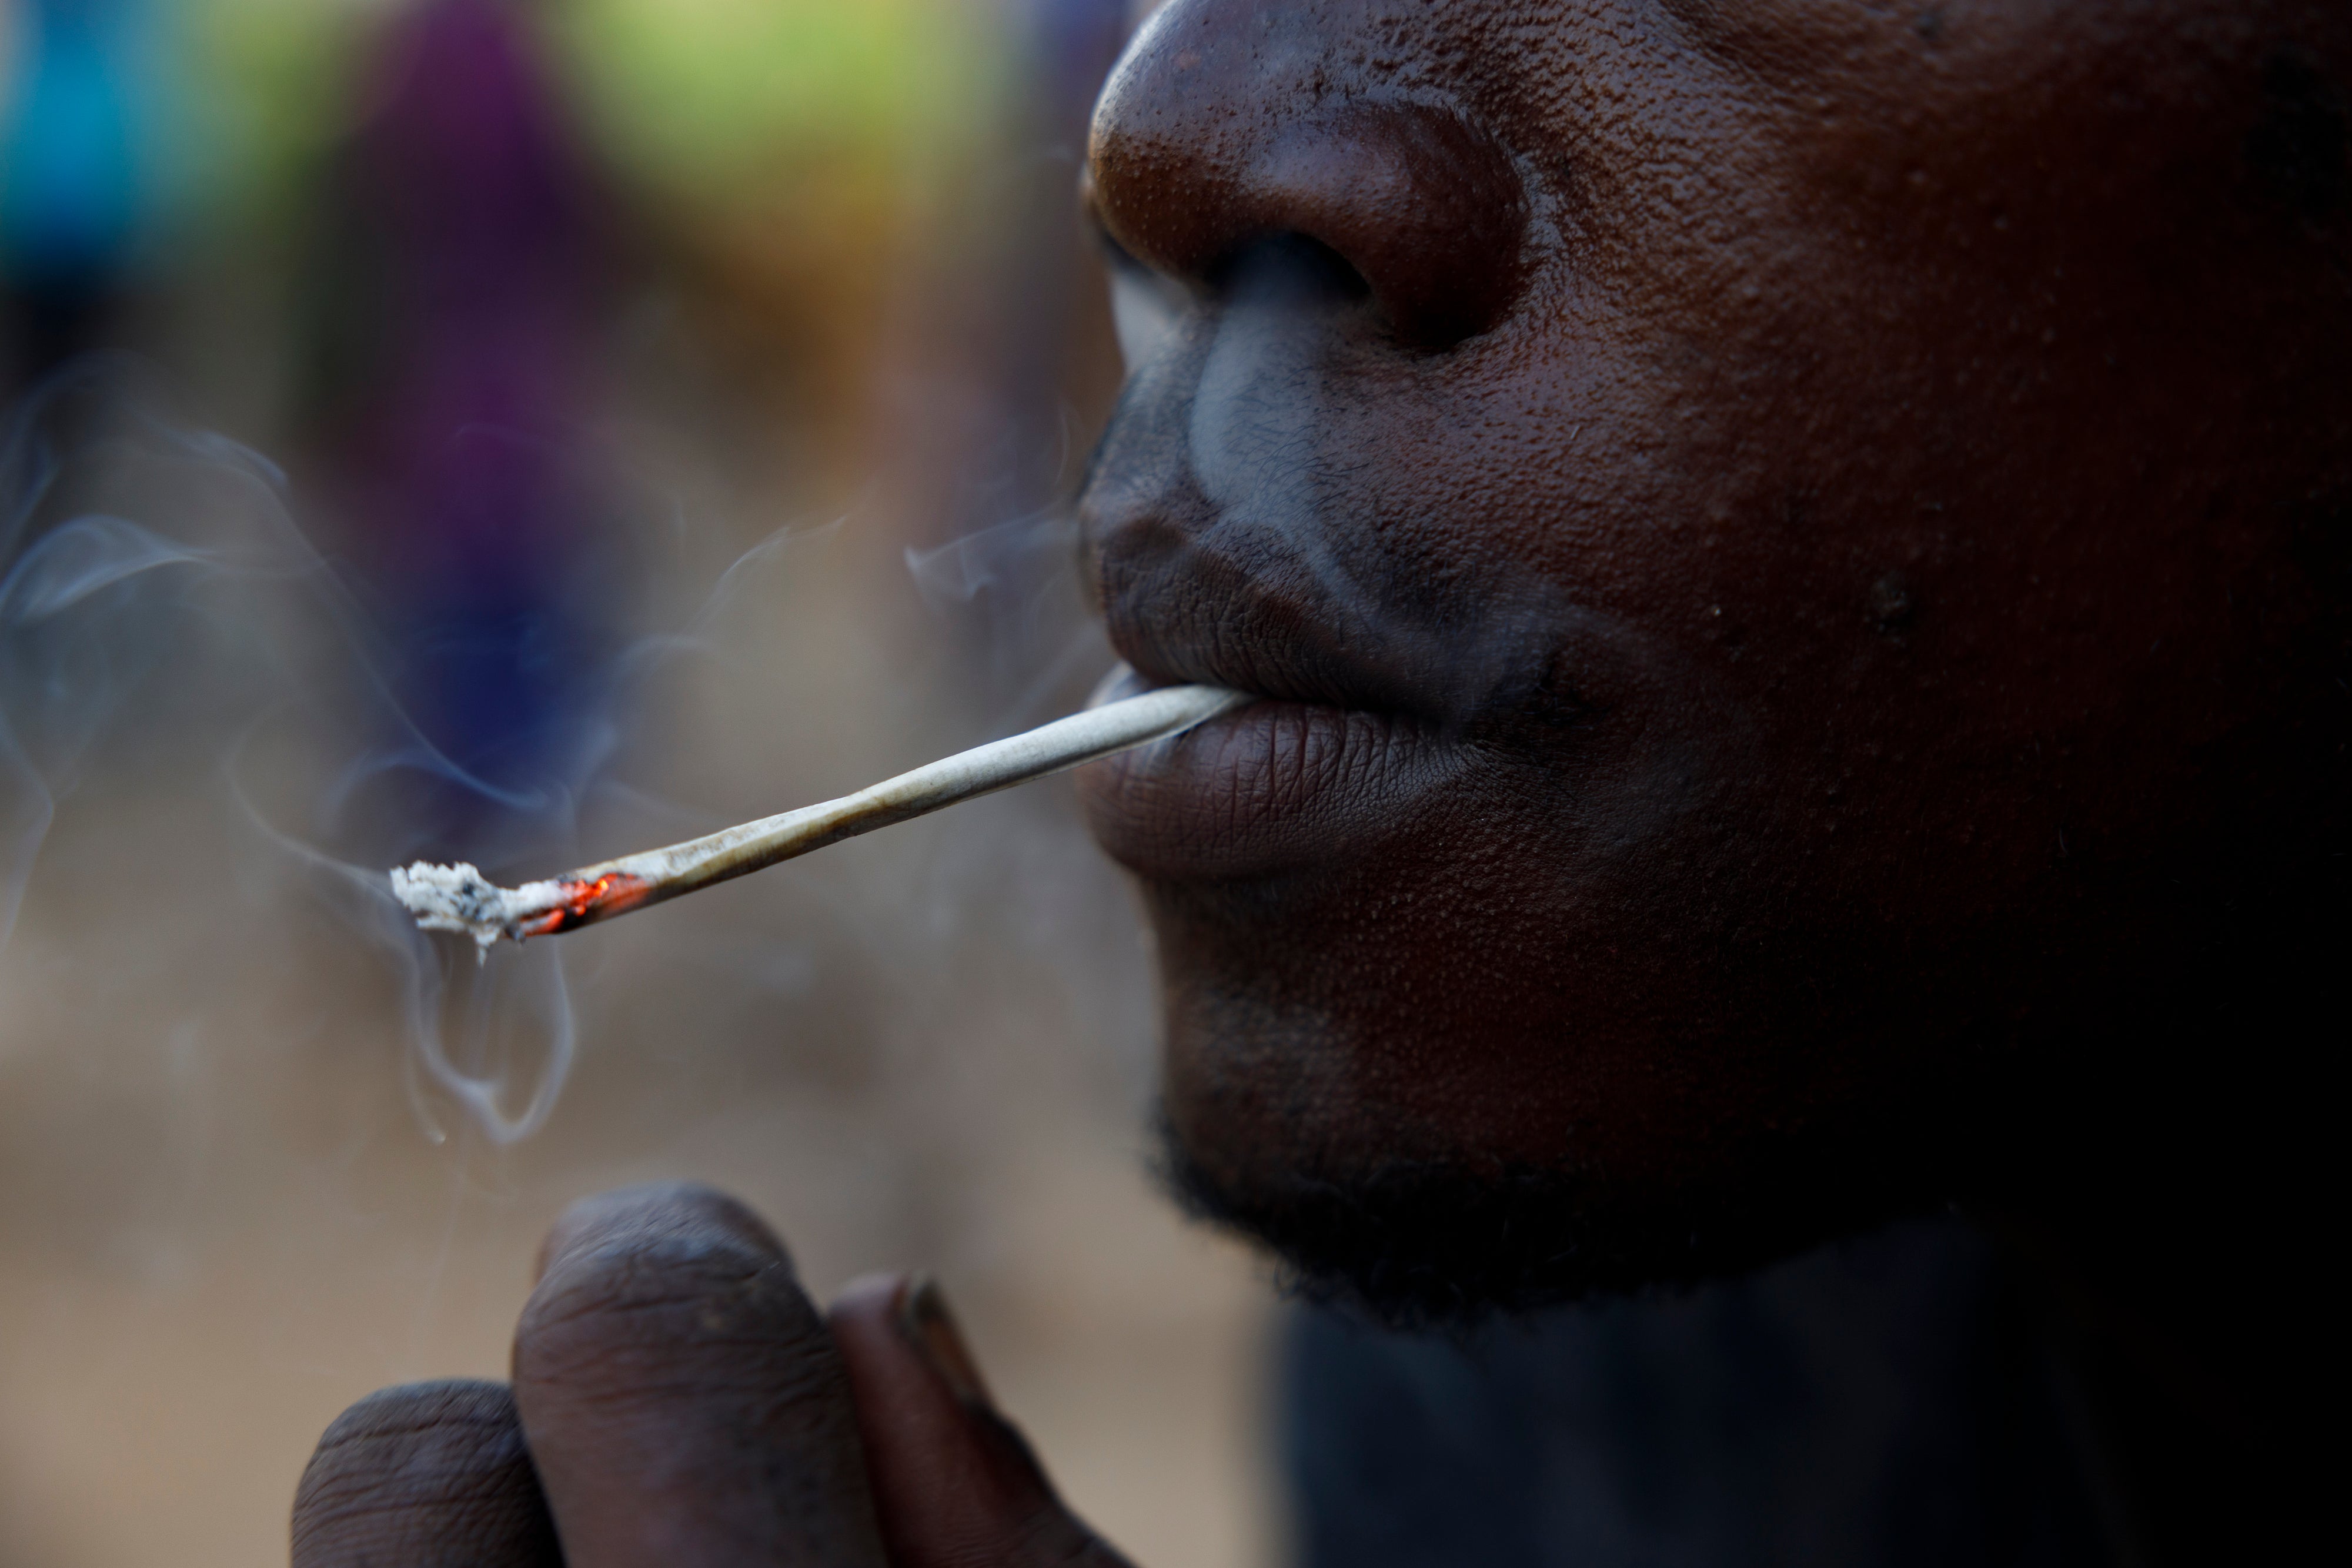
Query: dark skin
x=1795, y=555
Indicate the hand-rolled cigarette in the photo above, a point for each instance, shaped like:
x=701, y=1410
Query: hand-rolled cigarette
x=460, y=898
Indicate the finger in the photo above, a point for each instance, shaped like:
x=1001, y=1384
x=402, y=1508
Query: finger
x=954, y=1483
x=432, y=1475
x=684, y=1401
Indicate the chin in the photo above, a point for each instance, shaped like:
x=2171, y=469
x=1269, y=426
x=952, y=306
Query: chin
x=1437, y=1242
x=1430, y=1151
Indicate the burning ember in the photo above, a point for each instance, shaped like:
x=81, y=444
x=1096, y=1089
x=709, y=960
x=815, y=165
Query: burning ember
x=460, y=898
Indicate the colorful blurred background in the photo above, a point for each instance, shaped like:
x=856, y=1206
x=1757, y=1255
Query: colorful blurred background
x=529, y=429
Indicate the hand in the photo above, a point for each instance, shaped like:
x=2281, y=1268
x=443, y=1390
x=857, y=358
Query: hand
x=677, y=1400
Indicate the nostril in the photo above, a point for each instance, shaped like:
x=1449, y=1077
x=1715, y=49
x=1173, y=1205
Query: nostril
x=1292, y=270
x=1422, y=204
x=1412, y=204
x=1289, y=272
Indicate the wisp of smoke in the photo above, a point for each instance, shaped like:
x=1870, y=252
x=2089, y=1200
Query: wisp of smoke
x=161, y=615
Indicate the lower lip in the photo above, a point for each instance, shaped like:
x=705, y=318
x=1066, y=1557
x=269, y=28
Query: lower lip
x=1269, y=788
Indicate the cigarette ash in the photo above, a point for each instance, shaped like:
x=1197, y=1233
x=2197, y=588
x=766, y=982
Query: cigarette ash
x=460, y=898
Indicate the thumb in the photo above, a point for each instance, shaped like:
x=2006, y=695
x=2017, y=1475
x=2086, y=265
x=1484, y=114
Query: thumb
x=954, y=1483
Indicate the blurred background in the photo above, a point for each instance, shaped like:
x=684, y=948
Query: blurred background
x=527, y=431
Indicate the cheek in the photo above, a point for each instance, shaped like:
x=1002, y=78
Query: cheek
x=1905, y=583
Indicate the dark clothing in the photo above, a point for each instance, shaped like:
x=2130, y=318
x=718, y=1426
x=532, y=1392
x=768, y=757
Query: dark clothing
x=1887, y=1401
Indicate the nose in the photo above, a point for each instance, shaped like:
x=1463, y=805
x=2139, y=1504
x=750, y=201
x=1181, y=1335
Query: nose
x=1233, y=122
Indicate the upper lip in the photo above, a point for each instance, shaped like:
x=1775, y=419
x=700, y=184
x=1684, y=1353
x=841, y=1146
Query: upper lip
x=1286, y=569
x=1179, y=607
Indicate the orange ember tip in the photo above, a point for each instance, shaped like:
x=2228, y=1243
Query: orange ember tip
x=612, y=893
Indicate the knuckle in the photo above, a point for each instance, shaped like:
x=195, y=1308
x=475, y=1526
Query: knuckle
x=667, y=1306
x=441, y=1459
x=421, y=1435
x=662, y=1208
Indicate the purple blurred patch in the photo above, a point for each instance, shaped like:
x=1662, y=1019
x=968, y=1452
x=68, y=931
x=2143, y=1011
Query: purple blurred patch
x=464, y=320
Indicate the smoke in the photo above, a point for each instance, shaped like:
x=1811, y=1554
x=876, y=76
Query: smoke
x=162, y=617
x=1267, y=440
x=1013, y=588
x=91, y=601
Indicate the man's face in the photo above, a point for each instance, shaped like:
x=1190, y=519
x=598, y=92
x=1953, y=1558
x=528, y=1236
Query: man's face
x=1772, y=533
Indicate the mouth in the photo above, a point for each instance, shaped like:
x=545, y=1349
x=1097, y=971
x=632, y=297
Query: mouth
x=1280, y=785
x=1381, y=686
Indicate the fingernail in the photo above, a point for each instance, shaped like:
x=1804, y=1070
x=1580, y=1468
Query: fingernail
x=924, y=1319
